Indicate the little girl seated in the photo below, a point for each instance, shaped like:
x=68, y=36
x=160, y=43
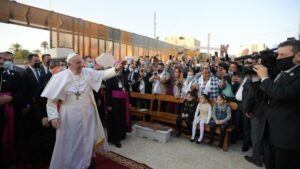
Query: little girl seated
x=201, y=117
x=221, y=115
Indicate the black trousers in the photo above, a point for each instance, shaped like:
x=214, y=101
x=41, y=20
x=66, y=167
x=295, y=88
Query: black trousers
x=223, y=128
x=188, y=121
x=237, y=121
x=257, y=133
x=277, y=158
x=246, y=130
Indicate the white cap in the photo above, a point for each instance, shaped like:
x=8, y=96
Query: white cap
x=70, y=56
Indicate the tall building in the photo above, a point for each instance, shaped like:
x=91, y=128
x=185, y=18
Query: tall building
x=186, y=42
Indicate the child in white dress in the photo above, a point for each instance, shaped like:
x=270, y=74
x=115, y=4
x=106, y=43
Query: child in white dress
x=202, y=116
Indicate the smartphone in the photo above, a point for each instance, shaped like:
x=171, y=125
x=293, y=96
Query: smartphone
x=216, y=54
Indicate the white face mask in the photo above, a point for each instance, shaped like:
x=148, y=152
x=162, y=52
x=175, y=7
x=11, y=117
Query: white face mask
x=8, y=65
x=255, y=79
x=189, y=78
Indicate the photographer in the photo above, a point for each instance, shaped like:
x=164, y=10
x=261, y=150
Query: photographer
x=159, y=80
x=283, y=116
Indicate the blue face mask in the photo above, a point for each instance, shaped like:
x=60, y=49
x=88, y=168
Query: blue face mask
x=90, y=65
x=8, y=65
x=189, y=78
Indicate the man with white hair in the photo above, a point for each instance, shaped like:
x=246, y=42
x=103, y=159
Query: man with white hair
x=79, y=132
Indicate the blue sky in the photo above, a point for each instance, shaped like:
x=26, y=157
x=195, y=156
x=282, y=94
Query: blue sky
x=233, y=22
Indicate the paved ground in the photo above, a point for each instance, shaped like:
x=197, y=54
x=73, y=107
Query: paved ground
x=180, y=153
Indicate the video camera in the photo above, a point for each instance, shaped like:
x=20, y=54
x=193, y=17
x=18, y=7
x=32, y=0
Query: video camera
x=266, y=57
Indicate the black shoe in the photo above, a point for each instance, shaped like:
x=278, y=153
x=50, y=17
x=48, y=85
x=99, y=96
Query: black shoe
x=245, y=148
x=258, y=163
x=178, y=134
x=118, y=144
x=192, y=140
x=199, y=142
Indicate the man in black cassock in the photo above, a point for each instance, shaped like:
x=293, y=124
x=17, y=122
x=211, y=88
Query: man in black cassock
x=10, y=95
x=118, y=116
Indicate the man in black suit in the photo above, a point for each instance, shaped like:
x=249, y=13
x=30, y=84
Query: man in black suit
x=32, y=81
x=33, y=77
x=283, y=111
x=132, y=78
x=46, y=63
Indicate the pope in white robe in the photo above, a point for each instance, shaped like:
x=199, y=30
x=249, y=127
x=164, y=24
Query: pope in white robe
x=79, y=132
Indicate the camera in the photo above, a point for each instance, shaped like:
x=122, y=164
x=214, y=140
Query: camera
x=266, y=57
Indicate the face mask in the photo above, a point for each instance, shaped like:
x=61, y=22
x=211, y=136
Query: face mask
x=37, y=65
x=90, y=65
x=48, y=63
x=189, y=78
x=285, y=63
x=255, y=79
x=230, y=73
x=8, y=65
x=159, y=71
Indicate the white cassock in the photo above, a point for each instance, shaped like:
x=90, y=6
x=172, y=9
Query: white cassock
x=81, y=133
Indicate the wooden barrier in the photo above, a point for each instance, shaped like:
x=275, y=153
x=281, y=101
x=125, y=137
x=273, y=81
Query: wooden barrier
x=170, y=118
x=164, y=116
x=137, y=111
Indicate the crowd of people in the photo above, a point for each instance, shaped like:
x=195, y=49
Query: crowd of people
x=54, y=96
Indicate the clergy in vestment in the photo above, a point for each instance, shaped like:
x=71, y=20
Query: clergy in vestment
x=79, y=132
x=118, y=116
x=10, y=95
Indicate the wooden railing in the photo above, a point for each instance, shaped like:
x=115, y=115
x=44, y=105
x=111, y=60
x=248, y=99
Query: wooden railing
x=168, y=117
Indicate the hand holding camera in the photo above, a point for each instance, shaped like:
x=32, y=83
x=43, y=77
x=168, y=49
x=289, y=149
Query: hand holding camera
x=261, y=71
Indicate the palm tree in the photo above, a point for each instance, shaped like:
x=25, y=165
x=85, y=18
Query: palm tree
x=37, y=51
x=15, y=48
x=24, y=53
x=45, y=45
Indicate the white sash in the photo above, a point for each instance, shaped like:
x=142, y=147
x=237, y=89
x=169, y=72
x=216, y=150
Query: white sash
x=206, y=88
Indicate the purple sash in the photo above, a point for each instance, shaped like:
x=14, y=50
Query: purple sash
x=124, y=95
x=8, y=133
